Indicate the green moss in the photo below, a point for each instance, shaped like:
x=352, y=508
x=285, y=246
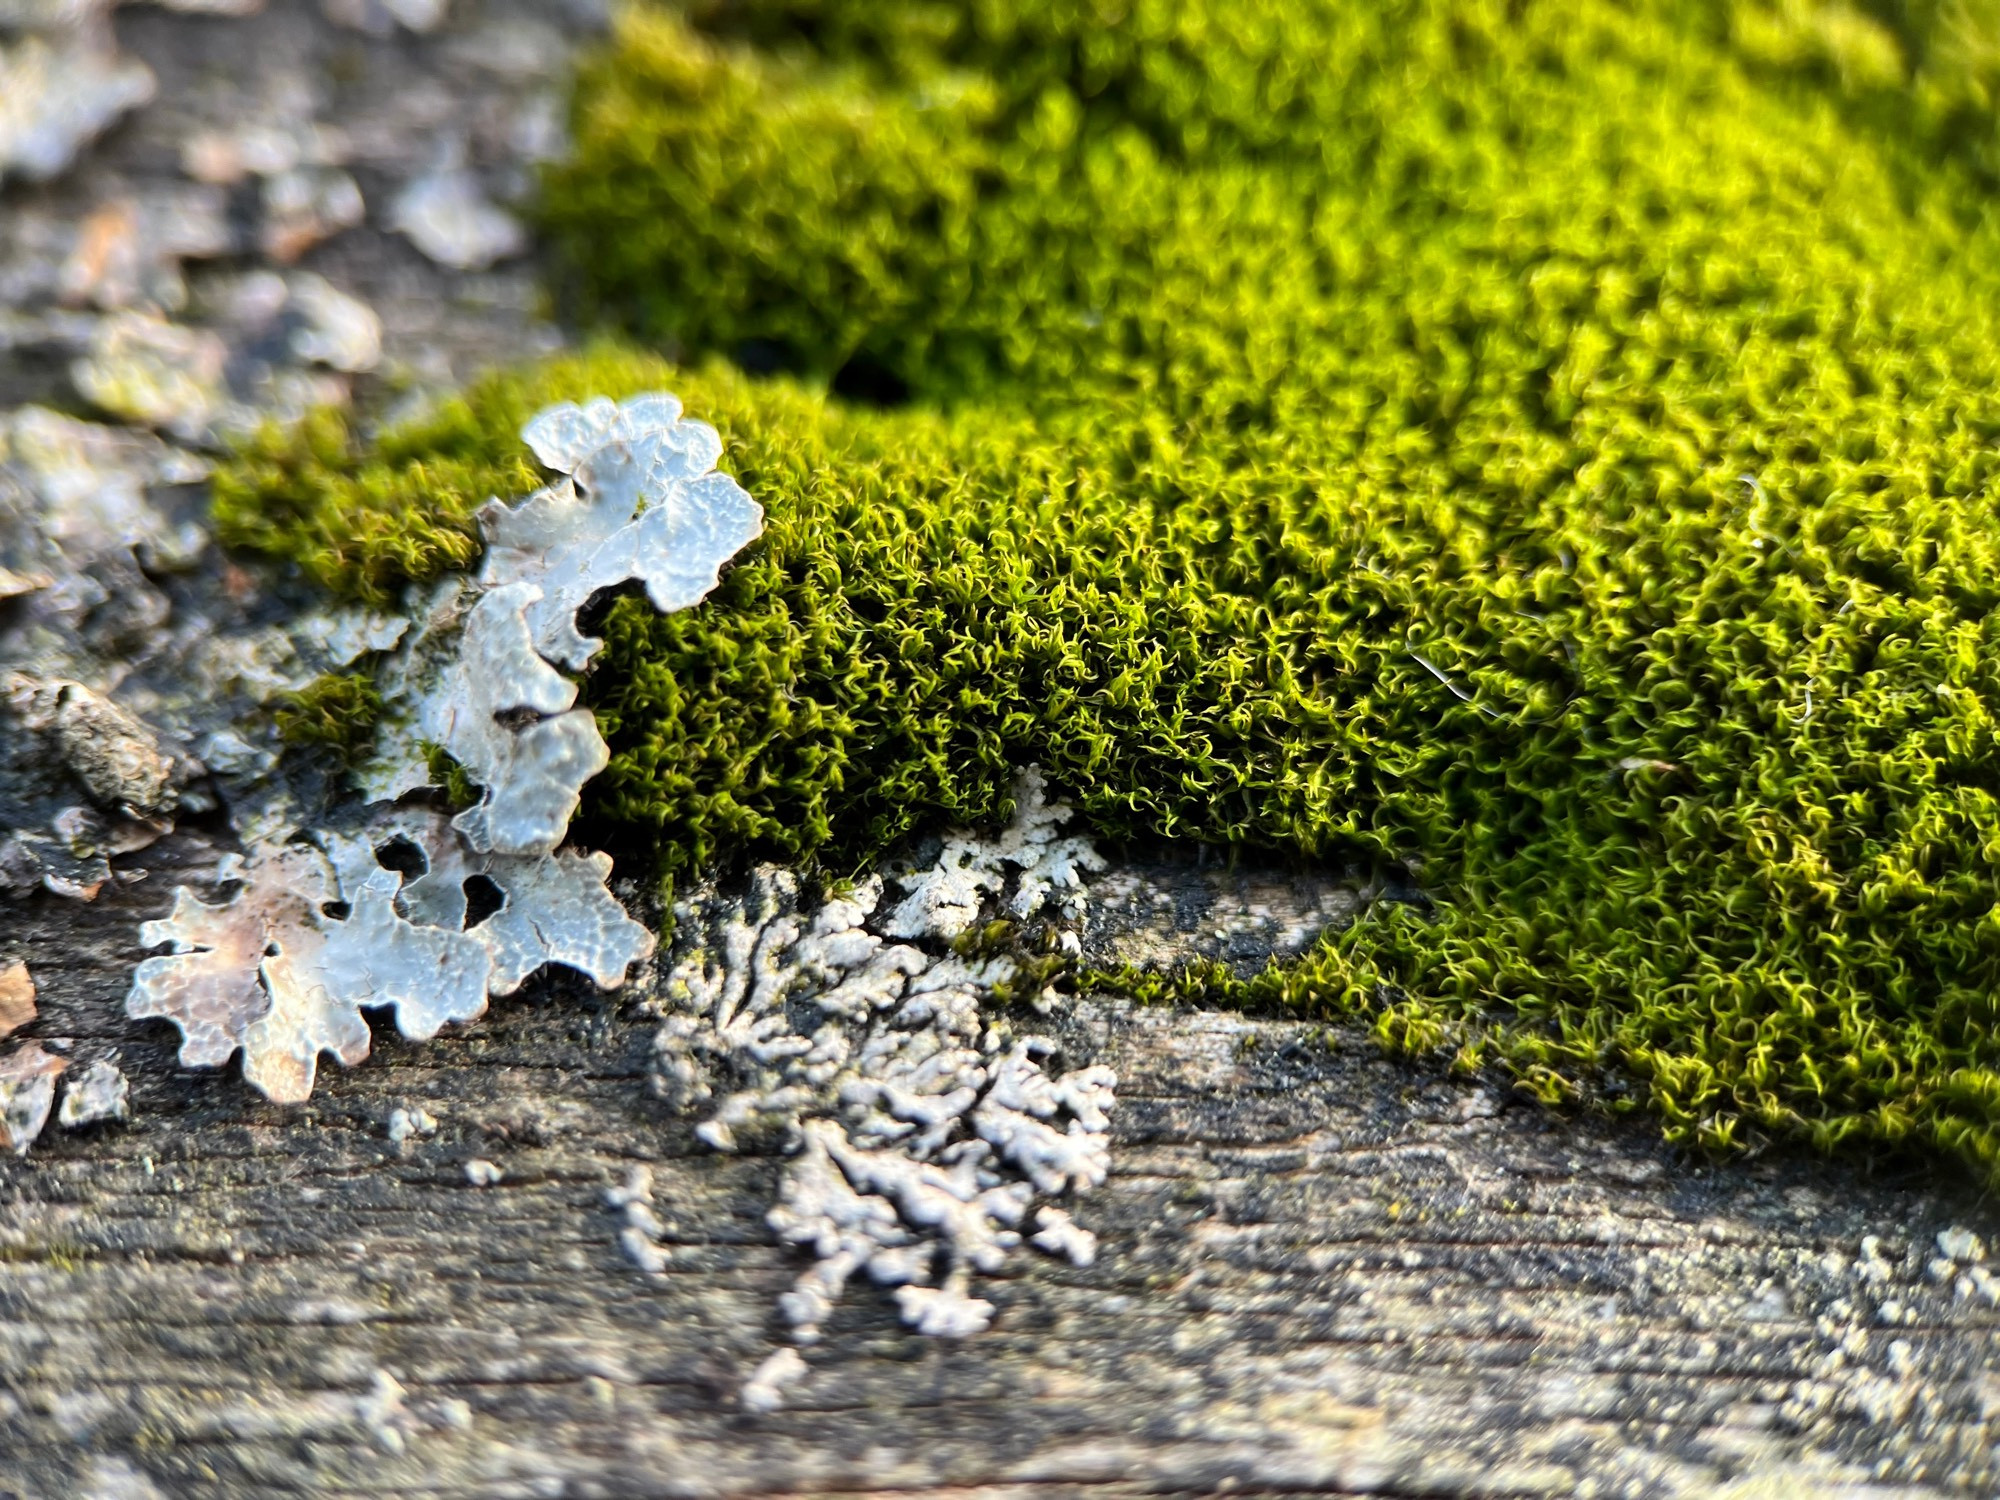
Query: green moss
x=457, y=790
x=337, y=711
x=1551, y=444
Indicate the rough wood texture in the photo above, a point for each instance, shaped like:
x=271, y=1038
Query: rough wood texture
x=1321, y=1273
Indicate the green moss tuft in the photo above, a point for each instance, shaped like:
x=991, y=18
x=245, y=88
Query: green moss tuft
x=337, y=711
x=1551, y=444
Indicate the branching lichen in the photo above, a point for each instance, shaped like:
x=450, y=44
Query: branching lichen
x=283, y=970
x=920, y=1131
x=944, y=898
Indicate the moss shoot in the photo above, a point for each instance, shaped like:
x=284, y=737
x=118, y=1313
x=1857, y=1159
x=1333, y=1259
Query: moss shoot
x=1550, y=443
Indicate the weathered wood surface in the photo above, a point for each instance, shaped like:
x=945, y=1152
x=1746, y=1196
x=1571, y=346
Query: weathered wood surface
x=1321, y=1272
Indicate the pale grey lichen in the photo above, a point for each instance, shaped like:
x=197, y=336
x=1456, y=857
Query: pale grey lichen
x=114, y=757
x=48, y=15
x=919, y=1133
x=267, y=125
x=71, y=15
x=282, y=970
x=380, y=17
x=640, y=500
x=510, y=721
x=128, y=252
x=81, y=494
x=342, y=637
x=98, y=1094
x=321, y=324
x=320, y=931
x=554, y=908
x=304, y=206
x=563, y=436
x=1960, y=1264
x=169, y=710
x=945, y=1312
x=109, y=1477
x=1858, y=1367
x=324, y=926
x=468, y=680
x=117, y=679
x=304, y=195
x=81, y=781
x=1960, y=1245
x=644, y=502
x=201, y=386
x=1051, y=1129
x=143, y=369
x=945, y=897
x=417, y=683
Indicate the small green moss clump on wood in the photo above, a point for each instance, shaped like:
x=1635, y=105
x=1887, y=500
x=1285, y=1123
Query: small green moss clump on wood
x=337, y=711
x=1550, y=444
